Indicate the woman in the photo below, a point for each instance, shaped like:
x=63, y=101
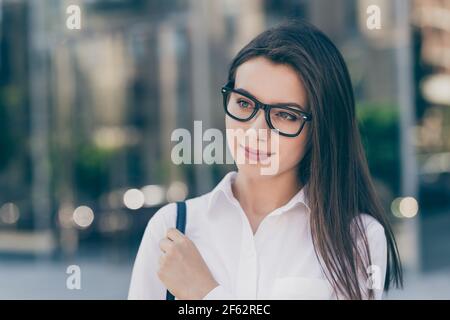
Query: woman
x=314, y=229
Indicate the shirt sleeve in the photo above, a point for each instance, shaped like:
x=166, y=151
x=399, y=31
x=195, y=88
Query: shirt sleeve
x=145, y=283
x=378, y=255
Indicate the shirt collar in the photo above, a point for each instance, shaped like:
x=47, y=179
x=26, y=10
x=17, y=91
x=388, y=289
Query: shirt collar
x=224, y=188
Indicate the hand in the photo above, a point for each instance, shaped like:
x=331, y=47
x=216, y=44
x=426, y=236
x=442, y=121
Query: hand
x=182, y=269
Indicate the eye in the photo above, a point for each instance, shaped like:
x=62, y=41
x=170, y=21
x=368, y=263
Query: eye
x=287, y=116
x=243, y=103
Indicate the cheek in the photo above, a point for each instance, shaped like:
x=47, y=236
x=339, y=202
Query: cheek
x=291, y=151
x=235, y=130
x=230, y=123
x=232, y=128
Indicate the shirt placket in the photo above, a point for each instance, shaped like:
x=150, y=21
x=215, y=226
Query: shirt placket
x=247, y=284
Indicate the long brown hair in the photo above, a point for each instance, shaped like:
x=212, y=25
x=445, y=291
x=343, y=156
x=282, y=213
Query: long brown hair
x=334, y=168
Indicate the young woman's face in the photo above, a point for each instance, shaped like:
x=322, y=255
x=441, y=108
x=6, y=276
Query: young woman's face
x=270, y=83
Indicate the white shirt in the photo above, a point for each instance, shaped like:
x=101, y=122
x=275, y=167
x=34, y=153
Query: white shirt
x=277, y=262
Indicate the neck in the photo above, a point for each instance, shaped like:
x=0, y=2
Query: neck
x=260, y=195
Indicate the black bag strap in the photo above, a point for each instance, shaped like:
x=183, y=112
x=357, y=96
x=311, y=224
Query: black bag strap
x=181, y=225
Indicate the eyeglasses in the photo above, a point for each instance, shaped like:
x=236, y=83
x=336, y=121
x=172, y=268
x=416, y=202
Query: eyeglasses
x=286, y=119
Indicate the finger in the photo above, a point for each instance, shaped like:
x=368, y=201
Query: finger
x=175, y=235
x=165, y=244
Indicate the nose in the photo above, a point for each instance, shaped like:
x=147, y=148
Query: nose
x=258, y=127
x=259, y=121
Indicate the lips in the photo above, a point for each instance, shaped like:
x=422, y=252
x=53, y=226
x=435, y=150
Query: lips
x=255, y=154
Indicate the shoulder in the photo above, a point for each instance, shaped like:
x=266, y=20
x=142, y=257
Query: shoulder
x=372, y=227
x=375, y=235
x=376, y=239
x=165, y=217
x=377, y=242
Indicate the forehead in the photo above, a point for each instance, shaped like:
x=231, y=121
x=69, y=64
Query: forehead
x=270, y=82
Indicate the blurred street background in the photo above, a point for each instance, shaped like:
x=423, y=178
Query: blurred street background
x=86, y=117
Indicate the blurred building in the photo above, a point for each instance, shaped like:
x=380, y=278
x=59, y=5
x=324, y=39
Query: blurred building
x=88, y=114
x=432, y=65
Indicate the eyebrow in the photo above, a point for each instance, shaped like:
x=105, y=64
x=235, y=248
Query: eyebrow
x=280, y=104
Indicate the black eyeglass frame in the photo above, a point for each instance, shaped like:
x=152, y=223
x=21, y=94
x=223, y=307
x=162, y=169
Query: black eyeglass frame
x=226, y=90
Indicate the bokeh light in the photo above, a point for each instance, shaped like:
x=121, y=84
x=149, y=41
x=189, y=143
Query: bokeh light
x=153, y=195
x=83, y=216
x=9, y=213
x=133, y=199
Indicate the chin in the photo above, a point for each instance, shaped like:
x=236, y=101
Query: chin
x=255, y=171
